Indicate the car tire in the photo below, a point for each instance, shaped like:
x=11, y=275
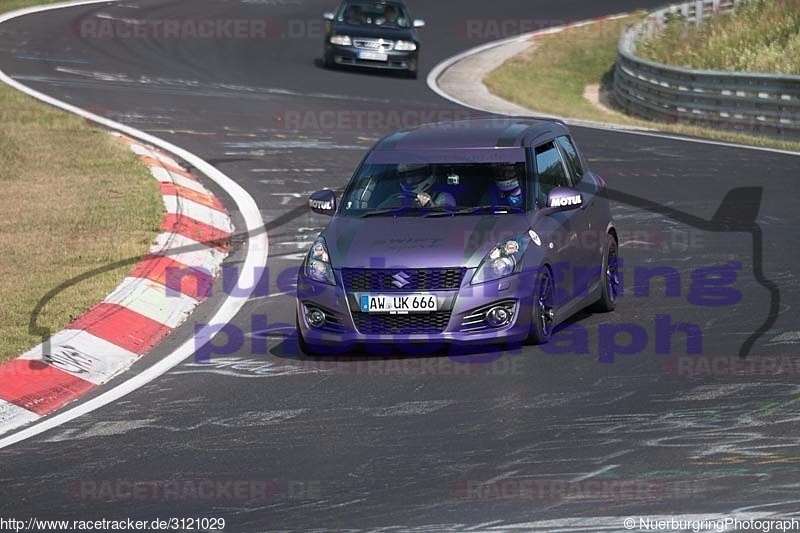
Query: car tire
x=327, y=61
x=609, y=277
x=542, y=317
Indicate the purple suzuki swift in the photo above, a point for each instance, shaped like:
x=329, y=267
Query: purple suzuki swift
x=470, y=232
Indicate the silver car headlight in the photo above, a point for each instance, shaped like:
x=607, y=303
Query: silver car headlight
x=318, y=263
x=501, y=261
x=405, y=46
x=341, y=40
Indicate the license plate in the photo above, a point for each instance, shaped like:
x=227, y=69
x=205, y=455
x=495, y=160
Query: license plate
x=374, y=56
x=398, y=304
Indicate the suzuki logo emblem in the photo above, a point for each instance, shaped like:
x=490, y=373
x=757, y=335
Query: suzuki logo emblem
x=400, y=280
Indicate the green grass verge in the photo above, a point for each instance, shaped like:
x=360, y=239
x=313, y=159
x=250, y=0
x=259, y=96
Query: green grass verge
x=552, y=78
x=74, y=199
x=760, y=36
x=11, y=5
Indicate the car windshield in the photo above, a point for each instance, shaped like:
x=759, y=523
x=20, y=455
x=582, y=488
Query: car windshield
x=374, y=14
x=450, y=189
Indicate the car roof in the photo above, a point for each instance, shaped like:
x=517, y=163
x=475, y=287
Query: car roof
x=488, y=132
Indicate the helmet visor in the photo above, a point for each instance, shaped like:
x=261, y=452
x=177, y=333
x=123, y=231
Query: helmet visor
x=507, y=184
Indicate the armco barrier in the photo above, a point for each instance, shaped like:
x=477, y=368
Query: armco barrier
x=734, y=101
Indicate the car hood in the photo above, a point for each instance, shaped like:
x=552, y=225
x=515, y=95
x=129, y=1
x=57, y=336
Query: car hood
x=406, y=34
x=418, y=242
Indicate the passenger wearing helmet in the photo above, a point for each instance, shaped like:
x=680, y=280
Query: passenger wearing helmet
x=507, y=189
x=417, y=183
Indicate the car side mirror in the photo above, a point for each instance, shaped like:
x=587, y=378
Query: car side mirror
x=419, y=23
x=323, y=202
x=328, y=16
x=564, y=199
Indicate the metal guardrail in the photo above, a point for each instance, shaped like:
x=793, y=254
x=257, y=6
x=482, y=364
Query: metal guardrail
x=746, y=102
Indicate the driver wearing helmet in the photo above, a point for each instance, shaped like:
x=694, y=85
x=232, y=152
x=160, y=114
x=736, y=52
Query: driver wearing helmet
x=507, y=189
x=417, y=182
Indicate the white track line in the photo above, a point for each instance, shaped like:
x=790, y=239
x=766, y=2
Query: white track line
x=256, y=250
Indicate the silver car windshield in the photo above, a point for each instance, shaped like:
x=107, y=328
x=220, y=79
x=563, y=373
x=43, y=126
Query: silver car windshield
x=422, y=189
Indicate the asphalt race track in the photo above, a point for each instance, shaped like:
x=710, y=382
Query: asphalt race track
x=418, y=442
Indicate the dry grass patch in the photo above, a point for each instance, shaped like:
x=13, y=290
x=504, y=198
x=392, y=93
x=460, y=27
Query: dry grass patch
x=553, y=75
x=74, y=199
x=760, y=36
x=552, y=78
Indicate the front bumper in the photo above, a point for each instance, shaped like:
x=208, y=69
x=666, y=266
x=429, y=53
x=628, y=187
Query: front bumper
x=349, y=56
x=460, y=319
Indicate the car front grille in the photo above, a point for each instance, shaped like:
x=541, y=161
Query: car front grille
x=410, y=324
x=399, y=279
x=377, y=45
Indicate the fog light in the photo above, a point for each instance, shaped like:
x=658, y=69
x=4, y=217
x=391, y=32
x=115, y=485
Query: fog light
x=315, y=317
x=497, y=316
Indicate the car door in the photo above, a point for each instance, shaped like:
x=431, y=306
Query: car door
x=558, y=226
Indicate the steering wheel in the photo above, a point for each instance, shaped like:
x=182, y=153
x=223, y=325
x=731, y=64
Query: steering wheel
x=398, y=198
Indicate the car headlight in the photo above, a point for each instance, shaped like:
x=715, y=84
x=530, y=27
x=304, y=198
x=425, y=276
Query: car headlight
x=341, y=40
x=318, y=263
x=405, y=46
x=501, y=261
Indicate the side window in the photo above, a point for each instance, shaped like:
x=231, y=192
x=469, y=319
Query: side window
x=572, y=157
x=550, y=171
